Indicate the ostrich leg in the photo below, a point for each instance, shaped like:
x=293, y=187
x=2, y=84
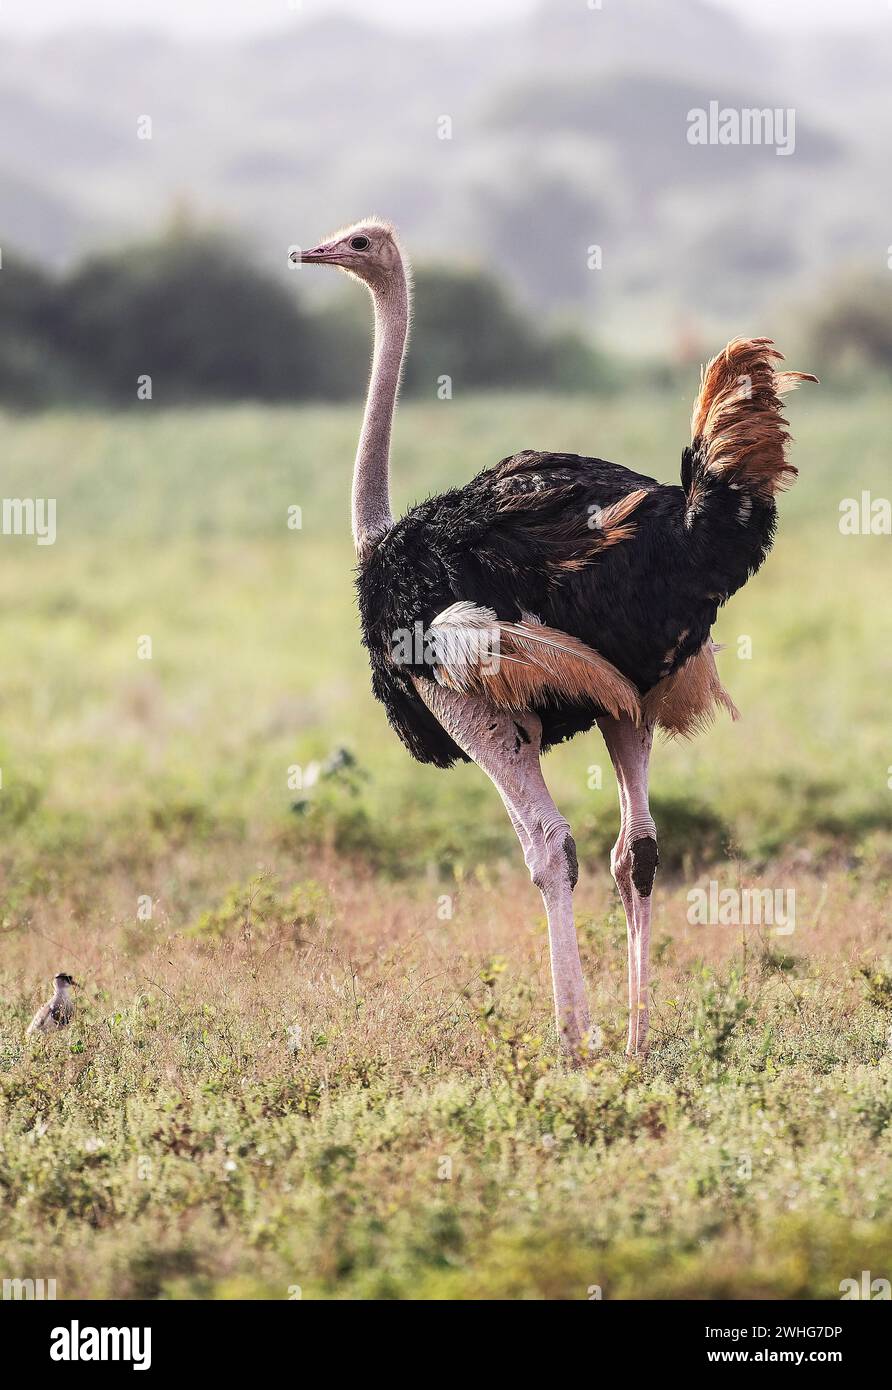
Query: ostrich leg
x=621, y=868
x=634, y=861
x=506, y=747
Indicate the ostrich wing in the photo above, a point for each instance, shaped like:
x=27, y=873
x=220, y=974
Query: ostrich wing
x=550, y=511
x=518, y=665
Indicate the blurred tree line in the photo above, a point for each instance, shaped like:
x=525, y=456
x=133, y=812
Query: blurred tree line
x=850, y=330
x=189, y=311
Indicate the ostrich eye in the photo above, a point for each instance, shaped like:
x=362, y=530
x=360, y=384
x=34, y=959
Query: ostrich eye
x=360, y=243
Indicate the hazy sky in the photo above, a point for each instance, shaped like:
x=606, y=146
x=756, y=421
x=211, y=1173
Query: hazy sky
x=246, y=16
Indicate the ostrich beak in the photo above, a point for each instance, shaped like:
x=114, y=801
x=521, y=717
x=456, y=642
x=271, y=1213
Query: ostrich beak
x=319, y=256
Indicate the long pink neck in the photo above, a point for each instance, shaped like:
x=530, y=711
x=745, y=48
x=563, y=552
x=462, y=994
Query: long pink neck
x=371, y=483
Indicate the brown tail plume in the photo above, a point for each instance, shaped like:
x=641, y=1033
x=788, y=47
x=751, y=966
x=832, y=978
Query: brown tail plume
x=737, y=431
x=686, y=702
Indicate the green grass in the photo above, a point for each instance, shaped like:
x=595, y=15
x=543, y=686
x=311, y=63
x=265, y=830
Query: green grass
x=419, y=1037
x=174, y=526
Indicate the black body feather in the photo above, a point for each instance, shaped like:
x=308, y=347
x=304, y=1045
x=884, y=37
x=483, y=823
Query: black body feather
x=517, y=539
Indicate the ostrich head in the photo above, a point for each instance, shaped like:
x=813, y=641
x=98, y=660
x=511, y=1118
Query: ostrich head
x=368, y=251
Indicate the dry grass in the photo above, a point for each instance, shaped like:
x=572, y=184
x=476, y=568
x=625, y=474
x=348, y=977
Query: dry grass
x=322, y=1084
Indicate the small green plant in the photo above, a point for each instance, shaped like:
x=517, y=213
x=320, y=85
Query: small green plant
x=722, y=1006
x=258, y=909
x=773, y=961
x=878, y=985
x=509, y=1025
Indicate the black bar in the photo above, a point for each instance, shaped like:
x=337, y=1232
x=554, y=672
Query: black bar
x=845, y=1336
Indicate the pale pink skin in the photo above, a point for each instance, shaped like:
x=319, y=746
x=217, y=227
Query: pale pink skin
x=486, y=733
x=629, y=747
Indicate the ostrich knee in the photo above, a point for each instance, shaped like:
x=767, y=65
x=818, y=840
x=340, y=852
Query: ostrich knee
x=621, y=867
x=551, y=859
x=645, y=858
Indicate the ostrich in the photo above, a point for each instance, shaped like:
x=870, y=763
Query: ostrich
x=554, y=592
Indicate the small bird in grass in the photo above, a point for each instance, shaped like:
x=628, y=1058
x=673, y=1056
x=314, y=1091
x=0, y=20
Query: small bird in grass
x=56, y=1012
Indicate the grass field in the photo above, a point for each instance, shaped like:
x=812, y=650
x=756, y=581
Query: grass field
x=325, y=1061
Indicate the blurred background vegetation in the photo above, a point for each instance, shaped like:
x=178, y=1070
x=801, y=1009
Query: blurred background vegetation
x=567, y=130
x=191, y=311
